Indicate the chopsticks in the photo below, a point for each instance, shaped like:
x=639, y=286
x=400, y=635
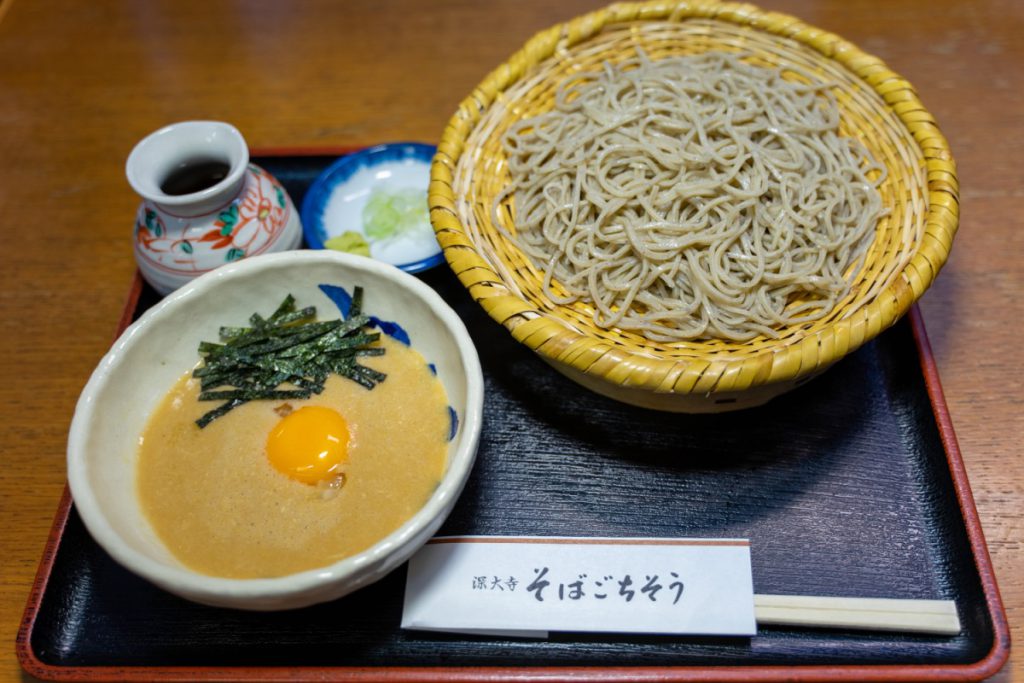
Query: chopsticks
x=936, y=617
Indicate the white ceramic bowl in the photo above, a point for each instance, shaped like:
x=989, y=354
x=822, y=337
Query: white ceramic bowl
x=152, y=354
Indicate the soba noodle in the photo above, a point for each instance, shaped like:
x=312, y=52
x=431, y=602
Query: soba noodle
x=693, y=197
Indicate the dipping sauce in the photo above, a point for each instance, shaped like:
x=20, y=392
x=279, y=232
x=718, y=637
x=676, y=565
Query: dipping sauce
x=220, y=505
x=195, y=175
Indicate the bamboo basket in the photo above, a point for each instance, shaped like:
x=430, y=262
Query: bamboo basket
x=877, y=106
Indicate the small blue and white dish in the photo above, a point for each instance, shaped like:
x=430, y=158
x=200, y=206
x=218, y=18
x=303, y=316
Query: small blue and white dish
x=374, y=203
x=135, y=375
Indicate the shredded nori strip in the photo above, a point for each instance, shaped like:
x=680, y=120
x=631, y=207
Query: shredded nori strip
x=289, y=348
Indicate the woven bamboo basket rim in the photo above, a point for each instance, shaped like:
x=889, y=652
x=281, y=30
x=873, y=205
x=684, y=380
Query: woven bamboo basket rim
x=922, y=186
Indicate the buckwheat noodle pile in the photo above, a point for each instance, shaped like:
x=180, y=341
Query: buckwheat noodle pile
x=693, y=197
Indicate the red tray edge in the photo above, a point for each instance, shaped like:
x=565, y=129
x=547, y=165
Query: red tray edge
x=985, y=667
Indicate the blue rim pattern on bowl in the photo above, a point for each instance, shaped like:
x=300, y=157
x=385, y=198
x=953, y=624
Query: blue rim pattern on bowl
x=319, y=193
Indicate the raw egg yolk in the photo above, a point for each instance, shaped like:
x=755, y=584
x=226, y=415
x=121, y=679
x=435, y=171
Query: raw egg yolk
x=309, y=444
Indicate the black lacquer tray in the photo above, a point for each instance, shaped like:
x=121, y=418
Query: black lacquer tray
x=851, y=485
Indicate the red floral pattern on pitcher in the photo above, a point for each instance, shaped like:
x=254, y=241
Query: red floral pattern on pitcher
x=248, y=225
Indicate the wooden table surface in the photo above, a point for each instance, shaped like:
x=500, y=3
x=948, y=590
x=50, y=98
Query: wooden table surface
x=81, y=82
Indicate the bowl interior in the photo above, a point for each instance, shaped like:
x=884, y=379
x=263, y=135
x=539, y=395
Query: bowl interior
x=155, y=352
